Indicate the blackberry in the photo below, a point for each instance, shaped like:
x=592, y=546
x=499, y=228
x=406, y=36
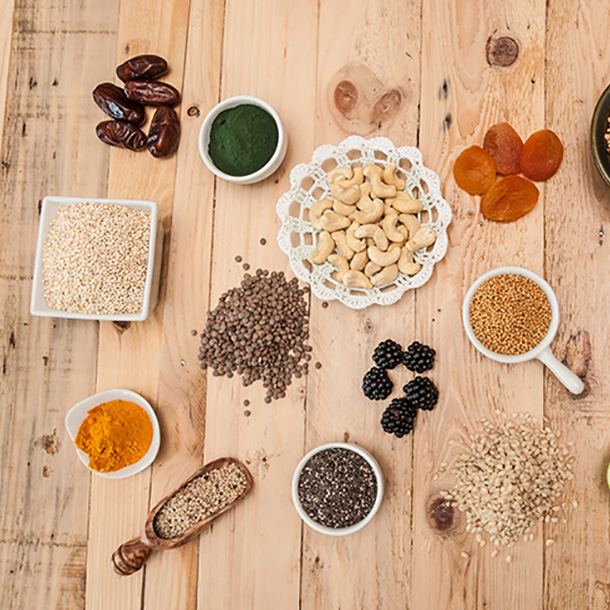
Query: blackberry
x=376, y=384
x=421, y=393
x=419, y=358
x=399, y=417
x=388, y=354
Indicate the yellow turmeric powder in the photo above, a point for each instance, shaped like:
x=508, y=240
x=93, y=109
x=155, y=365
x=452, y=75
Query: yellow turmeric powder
x=115, y=434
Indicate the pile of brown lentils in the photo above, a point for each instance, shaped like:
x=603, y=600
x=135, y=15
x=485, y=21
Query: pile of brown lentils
x=259, y=330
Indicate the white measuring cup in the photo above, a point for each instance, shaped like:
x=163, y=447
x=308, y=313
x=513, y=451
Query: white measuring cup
x=543, y=350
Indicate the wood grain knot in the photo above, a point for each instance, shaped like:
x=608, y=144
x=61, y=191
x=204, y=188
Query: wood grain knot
x=346, y=97
x=502, y=52
x=121, y=326
x=441, y=515
x=193, y=111
x=577, y=355
x=387, y=106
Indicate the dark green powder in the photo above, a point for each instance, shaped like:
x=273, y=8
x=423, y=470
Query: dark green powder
x=242, y=139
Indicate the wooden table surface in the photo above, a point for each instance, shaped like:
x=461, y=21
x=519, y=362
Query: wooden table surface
x=427, y=74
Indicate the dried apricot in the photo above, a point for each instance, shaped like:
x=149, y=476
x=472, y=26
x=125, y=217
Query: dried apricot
x=474, y=170
x=509, y=198
x=504, y=145
x=541, y=155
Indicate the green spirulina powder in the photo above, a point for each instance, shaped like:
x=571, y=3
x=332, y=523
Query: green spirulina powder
x=242, y=139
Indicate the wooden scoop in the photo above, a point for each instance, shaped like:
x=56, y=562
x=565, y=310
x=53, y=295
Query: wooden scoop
x=132, y=555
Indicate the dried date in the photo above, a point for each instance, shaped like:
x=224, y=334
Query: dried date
x=113, y=101
x=121, y=133
x=152, y=93
x=164, y=134
x=142, y=67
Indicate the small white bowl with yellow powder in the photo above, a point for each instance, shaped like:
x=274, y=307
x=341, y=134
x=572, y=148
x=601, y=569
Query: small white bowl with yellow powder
x=115, y=433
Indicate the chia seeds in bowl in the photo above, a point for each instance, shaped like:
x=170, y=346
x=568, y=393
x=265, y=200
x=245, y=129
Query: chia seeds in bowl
x=337, y=488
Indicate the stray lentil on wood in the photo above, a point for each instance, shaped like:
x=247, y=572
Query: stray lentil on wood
x=95, y=259
x=199, y=499
x=511, y=477
x=510, y=314
x=259, y=330
x=337, y=488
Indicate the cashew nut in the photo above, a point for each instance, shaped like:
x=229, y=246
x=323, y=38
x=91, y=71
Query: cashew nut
x=359, y=260
x=405, y=204
x=356, y=279
x=341, y=243
x=371, y=269
x=390, y=177
x=325, y=245
x=357, y=245
x=424, y=237
x=388, y=224
x=365, y=201
x=384, y=258
x=405, y=234
x=331, y=221
x=356, y=179
x=372, y=214
x=406, y=264
x=336, y=260
x=316, y=211
x=374, y=231
x=343, y=208
x=349, y=195
x=410, y=222
x=379, y=189
x=342, y=172
x=385, y=276
x=388, y=209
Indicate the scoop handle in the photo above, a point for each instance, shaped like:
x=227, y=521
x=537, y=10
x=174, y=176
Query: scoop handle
x=572, y=382
x=131, y=556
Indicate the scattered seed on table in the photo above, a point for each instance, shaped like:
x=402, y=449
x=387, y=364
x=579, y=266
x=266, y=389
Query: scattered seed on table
x=263, y=241
x=318, y=365
x=246, y=402
x=194, y=332
x=247, y=413
x=199, y=499
x=238, y=259
x=324, y=304
x=337, y=488
x=245, y=266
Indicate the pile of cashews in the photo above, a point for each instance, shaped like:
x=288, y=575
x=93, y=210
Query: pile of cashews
x=368, y=229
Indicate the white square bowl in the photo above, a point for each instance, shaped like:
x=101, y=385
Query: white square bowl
x=50, y=205
x=78, y=413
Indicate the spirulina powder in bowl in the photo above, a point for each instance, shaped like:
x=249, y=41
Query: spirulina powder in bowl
x=337, y=488
x=242, y=139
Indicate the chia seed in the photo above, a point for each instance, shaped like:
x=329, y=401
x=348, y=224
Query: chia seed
x=337, y=488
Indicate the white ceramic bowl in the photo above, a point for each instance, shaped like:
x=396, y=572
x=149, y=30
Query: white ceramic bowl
x=542, y=351
x=263, y=172
x=331, y=531
x=77, y=414
x=50, y=205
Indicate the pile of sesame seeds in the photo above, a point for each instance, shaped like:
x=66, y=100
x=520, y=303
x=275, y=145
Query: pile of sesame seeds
x=510, y=314
x=95, y=259
x=512, y=476
x=199, y=499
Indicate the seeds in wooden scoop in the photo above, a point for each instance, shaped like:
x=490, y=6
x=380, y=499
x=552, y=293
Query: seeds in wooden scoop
x=199, y=499
x=510, y=314
x=512, y=476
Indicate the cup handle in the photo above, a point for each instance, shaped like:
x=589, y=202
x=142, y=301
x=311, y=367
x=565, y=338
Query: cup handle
x=572, y=382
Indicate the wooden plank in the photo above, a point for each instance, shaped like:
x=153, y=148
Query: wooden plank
x=576, y=221
x=129, y=355
x=370, y=53
x=463, y=96
x=250, y=558
x=47, y=365
x=6, y=30
x=171, y=579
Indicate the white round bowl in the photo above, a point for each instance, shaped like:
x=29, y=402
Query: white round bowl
x=78, y=413
x=273, y=163
x=332, y=531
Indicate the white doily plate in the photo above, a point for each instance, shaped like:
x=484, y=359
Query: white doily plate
x=309, y=183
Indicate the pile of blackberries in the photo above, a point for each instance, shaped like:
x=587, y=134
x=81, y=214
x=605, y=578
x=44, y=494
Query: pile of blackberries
x=420, y=393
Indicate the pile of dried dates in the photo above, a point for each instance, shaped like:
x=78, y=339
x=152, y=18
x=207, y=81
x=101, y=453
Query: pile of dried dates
x=504, y=153
x=126, y=108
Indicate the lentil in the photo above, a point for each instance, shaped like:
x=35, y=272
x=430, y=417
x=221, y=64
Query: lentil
x=510, y=314
x=199, y=499
x=337, y=487
x=258, y=330
x=263, y=241
x=511, y=477
x=95, y=259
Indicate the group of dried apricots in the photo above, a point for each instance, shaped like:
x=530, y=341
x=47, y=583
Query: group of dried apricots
x=505, y=153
